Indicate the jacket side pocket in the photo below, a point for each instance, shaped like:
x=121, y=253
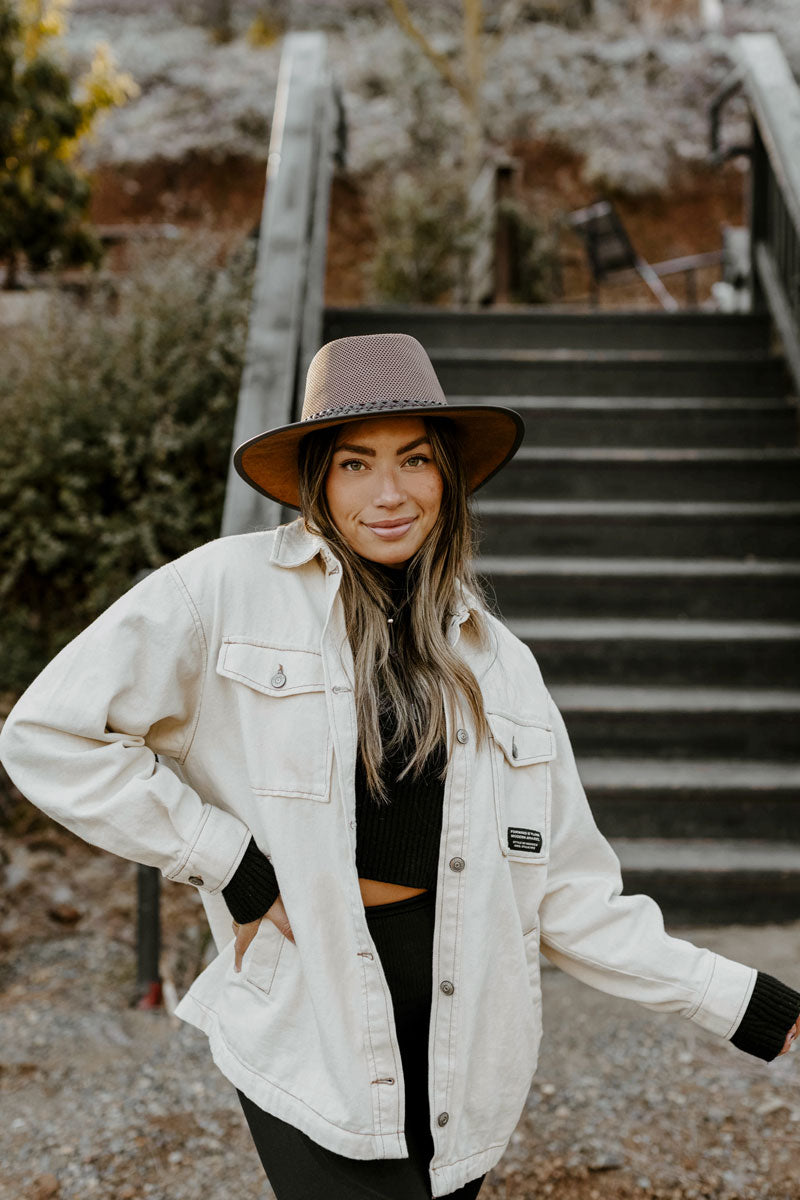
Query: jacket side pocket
x=263, y=955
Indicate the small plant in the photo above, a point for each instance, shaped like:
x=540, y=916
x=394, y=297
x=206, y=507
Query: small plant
x=423, y=236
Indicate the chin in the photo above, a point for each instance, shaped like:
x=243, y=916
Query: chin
x=395, y=552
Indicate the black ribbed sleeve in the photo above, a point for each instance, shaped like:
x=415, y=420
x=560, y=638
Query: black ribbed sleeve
x=253, y=887
x=769, y=1016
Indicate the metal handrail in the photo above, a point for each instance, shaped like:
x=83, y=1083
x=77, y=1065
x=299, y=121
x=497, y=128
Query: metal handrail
x=773, y=97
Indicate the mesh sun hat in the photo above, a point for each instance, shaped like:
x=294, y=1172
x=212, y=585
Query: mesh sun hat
x=374, y=375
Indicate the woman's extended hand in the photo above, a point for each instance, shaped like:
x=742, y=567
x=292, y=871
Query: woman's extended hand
x=790, y=1037
x=246, y=933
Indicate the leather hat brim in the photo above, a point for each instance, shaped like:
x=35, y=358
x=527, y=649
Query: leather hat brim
x=488, y=437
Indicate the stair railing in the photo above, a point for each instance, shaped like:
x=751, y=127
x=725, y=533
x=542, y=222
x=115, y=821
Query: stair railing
x=773, y=97
x=285, y=330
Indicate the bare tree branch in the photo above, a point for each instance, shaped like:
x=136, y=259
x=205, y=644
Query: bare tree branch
x=440, y=61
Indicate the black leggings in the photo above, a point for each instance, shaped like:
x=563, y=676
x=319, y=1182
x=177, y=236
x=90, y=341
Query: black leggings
x=300, y=1169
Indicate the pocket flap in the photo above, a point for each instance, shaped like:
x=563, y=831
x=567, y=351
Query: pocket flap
x=522, y=742
x=271, y=669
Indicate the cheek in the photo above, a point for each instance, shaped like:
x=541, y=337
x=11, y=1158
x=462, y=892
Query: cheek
x=431, y=495
x=343, y=495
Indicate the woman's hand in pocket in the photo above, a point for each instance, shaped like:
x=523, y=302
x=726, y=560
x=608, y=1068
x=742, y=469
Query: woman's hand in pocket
x=246, y=933
x=277, y=914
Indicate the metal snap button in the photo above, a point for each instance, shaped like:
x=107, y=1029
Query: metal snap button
x=457, y=864
x=442, y=1118
x=334, y=569
x=278, y=679
x=447, y=987
x=197, y=880
x=462, y=736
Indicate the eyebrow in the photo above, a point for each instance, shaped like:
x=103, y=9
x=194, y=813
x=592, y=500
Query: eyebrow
x=367, y=450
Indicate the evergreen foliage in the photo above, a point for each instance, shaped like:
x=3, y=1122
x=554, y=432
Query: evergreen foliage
x=117, y=427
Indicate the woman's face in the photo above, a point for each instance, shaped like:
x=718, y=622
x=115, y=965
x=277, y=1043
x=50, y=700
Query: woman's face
x=383, y=488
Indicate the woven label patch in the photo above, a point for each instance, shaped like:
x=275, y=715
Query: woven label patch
x=524, y=839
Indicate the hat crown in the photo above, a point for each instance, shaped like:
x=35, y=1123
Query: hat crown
x=384, y=372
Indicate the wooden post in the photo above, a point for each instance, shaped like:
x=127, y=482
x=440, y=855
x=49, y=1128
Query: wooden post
x=148, y=937
x=505, y=249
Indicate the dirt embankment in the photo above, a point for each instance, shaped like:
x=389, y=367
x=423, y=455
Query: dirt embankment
x=228, y=196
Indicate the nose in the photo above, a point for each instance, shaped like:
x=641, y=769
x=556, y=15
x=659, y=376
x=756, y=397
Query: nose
x=390, y=492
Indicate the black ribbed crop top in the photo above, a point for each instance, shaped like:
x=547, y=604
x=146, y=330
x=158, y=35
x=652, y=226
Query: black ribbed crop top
x=396, y=842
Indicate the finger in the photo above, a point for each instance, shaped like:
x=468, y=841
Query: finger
x=788, y=1041
x=284, y=927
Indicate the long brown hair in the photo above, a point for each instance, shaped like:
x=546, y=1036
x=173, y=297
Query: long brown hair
x=411, y=681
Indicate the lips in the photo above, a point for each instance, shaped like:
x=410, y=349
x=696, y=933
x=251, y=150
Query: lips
x=391, y=524
x=392, y=530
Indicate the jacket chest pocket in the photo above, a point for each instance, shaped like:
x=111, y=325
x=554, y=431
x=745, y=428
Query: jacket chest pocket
x=521, y=757
x=284, y=717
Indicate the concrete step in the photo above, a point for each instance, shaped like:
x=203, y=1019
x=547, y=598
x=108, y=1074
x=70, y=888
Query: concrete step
x=653, y=529
x=644, y=797
x=638, y=652
x=553, y=326
x=714, y=881
x=568, y=372
x=609, y=721
x=618, y=421
x=604, y=473
x=699, y=589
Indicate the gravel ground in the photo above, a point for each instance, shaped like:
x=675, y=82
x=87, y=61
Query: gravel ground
x=99, y=1099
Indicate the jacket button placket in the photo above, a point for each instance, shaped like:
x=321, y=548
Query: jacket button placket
x=455, y=816
x=384, y=1062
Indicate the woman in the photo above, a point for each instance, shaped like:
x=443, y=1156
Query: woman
x=323, y=730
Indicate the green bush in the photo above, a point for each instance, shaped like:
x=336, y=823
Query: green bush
x=423, y=234
x=117, y=424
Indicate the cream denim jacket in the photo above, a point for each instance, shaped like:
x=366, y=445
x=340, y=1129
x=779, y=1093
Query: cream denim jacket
x=215, y=700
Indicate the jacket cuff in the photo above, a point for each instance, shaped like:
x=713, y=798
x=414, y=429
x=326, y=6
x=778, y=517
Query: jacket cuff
x=769, y=1016
x=253, y=887
x=215, y=853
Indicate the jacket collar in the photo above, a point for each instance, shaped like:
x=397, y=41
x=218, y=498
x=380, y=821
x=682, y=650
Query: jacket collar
x=295, y=545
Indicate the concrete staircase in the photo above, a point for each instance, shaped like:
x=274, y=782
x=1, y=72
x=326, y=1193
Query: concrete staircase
x=645, y=543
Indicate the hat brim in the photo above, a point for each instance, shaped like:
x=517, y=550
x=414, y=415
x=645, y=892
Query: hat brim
x=488, y=437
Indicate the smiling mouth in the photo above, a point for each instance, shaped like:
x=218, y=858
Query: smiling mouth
x=391, y=524
x=391, y=530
